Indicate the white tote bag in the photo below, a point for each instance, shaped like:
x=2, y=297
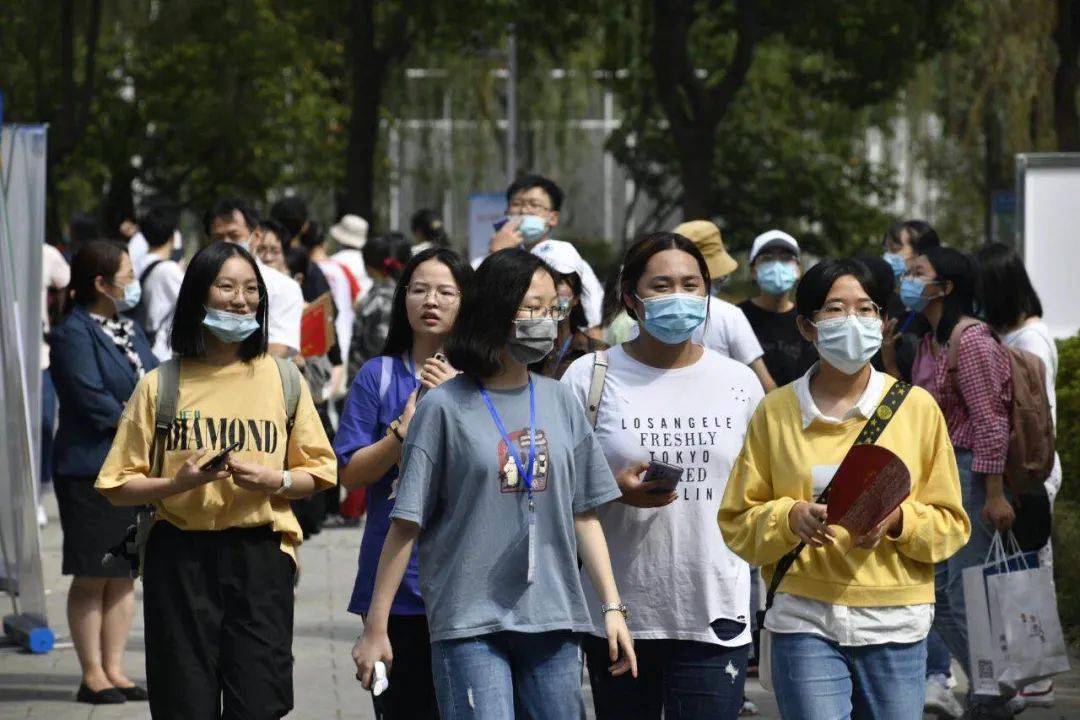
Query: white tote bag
x=987, y=662
x=1024, y=617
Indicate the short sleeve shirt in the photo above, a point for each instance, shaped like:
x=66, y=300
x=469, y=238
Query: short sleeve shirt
x=377, y=397
x=240, y=402
x=460, y=483
x=285, y=306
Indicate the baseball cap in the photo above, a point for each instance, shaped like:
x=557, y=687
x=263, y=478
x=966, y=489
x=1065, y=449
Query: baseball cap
x=772, y=239
x=706, y=236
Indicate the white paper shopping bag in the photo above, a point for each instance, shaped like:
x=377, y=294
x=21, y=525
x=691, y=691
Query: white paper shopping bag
x=987, y=663
x=1027, y=630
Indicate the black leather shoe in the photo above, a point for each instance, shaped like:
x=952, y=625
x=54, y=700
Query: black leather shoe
x=108, y=696
x=134, y=693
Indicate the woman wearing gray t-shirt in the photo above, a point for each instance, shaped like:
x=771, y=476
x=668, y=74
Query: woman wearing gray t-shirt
x=500, y=480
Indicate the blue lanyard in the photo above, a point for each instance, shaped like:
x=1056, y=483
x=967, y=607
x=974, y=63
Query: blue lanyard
x=563, y=349
x=526, y=472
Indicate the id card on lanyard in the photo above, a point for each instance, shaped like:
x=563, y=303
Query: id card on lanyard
x=526, y=470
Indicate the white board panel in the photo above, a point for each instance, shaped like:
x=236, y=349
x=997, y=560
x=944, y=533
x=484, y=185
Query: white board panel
x=1051, y=236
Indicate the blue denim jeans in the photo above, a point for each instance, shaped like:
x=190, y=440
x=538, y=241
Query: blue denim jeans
x=685, y=680
x=508, y=675
x=818, y=679
x=938, y=658
x=950, y=620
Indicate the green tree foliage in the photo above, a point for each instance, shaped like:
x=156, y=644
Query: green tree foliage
x=788, y=148
x=991, y=95
x=190, y=100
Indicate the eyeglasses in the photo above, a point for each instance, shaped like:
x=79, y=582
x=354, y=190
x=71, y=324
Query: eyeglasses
x=837, y=309
x=556, y=312
x=227, y=288
x=444, y=294
x=528, y=206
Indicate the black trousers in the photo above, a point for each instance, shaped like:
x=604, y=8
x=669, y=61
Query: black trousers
x=411, y=694
x=218, y=610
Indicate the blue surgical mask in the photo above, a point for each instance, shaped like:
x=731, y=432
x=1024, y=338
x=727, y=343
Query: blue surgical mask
x=895, y=262
x=532, y=228
x=230, y=327
x=849, y=342
x=911, y=294
x=672, y=319
x=776, y=277
x=132, y=296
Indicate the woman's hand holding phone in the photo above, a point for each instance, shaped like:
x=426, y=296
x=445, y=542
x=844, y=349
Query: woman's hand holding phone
x=639, y=493
x=191, y=475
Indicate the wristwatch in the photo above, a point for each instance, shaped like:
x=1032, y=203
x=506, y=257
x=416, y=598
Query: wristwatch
x=286, y=482
x=615, y=607
x=395, y=430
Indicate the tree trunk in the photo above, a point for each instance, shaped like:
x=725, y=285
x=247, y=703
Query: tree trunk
x=694, y=108
x=1067, y=76
x=367, y=74
x=695, y=149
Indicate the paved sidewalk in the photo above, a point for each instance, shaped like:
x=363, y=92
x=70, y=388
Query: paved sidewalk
x=325, y=687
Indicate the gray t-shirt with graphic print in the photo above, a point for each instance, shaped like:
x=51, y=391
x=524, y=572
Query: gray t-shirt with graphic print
x=462, y=487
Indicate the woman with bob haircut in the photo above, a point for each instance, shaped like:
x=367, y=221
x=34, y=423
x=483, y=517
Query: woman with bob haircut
x=500, y=480
x=668, y=400
x=220, y=560
x=376, y=417
x=849, y=619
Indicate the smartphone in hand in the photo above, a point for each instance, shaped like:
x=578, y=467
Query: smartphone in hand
x=667, y=477
x=218, y=461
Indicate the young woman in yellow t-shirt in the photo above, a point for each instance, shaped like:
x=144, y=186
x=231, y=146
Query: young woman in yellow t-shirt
x=220, y=560
x=850, y=618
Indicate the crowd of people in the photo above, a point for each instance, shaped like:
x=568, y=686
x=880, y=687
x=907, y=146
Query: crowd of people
x=559, y=476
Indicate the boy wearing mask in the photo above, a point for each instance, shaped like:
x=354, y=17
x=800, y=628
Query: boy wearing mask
x=775, y=269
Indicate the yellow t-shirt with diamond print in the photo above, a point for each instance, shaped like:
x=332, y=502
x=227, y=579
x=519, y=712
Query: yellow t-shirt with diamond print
x=241, y=402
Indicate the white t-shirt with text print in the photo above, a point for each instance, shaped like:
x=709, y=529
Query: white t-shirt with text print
x=671, y=565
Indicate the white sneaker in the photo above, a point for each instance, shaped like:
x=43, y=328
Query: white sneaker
x=1039, y=694
x=940, y=700
x=42, y=518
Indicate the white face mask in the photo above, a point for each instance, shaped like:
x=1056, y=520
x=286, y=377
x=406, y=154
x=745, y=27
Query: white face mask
x=849, y=342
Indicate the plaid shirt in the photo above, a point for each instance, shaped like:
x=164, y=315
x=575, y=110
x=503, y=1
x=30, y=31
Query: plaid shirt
x=976, y=399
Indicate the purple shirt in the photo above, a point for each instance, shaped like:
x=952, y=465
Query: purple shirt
x=373, y=403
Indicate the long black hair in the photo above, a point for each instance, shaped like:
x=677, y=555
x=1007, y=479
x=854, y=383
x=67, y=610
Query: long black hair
x=400, y=337
x=1006, y=294
x=488, y=309
x=187, y=328
x=958, y=268
x=816, y=283
x=638, y=256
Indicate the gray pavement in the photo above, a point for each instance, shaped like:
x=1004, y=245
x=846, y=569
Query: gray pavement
x=324, y=684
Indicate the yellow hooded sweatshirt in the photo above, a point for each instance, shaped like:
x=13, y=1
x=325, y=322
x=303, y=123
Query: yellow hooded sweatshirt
x=774, y=471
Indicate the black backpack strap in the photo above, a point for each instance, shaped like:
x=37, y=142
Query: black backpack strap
x=871, y=431
x=147, y=270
